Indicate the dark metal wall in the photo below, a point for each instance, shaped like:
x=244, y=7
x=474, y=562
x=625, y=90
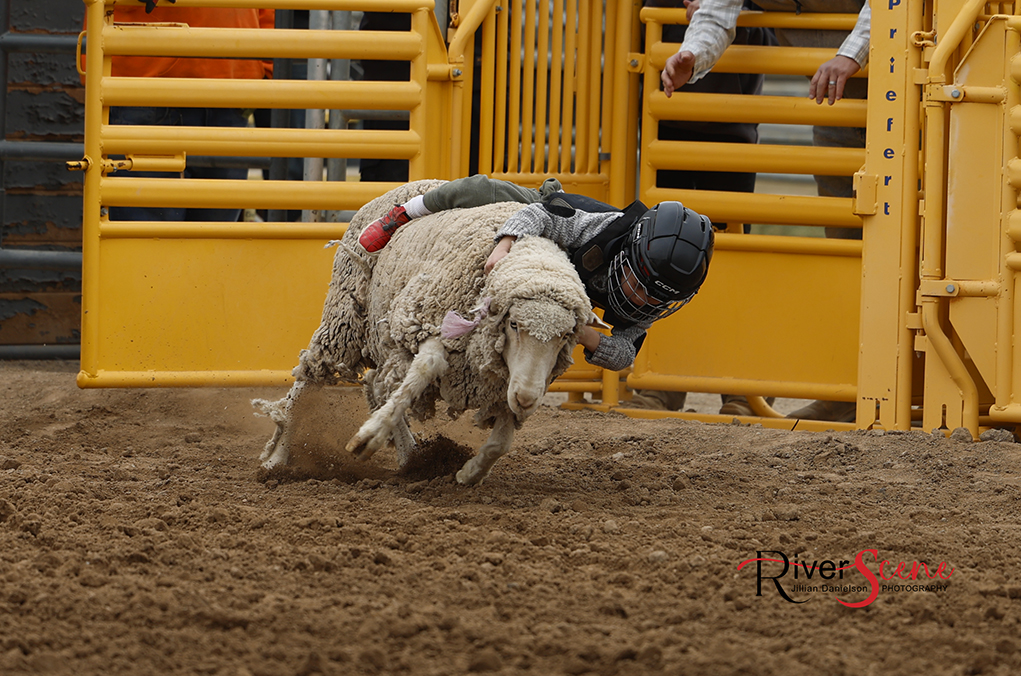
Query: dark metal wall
x=41, y=199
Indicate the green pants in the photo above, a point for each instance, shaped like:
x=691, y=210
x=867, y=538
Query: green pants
x=479, y=189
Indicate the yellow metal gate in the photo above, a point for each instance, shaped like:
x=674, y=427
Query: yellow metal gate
x=915, y=323
x=188, y=303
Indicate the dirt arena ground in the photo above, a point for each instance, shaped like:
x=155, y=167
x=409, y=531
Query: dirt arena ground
x=138, y=537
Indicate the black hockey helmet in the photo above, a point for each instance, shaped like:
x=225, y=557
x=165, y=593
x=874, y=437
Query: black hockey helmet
x=661, y=266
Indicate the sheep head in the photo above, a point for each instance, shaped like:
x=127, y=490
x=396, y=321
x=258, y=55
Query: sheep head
x=536, y=314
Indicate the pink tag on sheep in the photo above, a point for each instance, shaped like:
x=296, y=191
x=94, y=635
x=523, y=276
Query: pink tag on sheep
x=455, y=326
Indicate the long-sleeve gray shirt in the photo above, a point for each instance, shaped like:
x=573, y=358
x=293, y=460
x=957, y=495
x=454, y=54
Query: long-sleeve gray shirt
x=712, y=30
x=616, y=351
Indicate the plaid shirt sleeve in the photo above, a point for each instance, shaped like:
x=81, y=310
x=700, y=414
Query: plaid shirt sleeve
x=616, y=351
x=856, y=45
x=712, y=30
x=710, y=33
x=566, y=232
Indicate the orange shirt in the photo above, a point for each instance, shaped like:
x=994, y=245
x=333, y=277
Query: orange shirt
x=154, y=66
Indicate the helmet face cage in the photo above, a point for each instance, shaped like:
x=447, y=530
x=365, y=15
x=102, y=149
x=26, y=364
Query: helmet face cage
x=625, y=292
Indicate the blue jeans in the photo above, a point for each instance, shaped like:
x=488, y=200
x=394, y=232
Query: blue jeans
x=179, y=117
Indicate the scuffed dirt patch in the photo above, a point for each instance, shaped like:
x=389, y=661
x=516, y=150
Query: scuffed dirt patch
x=137, y=536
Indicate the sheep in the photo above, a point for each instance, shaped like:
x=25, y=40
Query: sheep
x=420, y=323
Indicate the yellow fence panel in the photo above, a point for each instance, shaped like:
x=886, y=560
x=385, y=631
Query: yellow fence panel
x=970, y=233
x=194, y=303
x=916, y=322
x=776, y=317
x=209, y=308
x=563, y=102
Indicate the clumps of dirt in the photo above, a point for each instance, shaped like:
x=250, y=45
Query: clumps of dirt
x=437, y=456
x=324, y=463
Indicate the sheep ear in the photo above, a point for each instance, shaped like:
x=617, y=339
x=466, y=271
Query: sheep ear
x=595, y=321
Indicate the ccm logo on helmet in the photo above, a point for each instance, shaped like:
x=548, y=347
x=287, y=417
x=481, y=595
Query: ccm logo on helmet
x=672, y=291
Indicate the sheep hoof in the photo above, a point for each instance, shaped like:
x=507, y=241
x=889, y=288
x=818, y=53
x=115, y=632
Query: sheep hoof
x=469, y=476
x=279, y=457
x=362, y=449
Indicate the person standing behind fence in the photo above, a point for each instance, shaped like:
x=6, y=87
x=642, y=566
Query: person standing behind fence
x=712, y=29
x=711, y=32
x=152, y=66
x=738, y=84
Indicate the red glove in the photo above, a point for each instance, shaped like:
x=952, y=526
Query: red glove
x=151, y=4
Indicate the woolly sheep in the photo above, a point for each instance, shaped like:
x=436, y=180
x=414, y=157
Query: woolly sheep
x=381, y=326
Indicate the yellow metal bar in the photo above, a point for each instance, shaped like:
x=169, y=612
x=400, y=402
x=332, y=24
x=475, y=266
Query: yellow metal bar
x=222, y=194
x=761, y=408
x=95, y=68
x=935, y=142
x=1007, y=313
x=908, y=272
x=651, y=115
x=349, y=5
x=514, y=90
x=529, y=131
x=619, y=103
x=418, y=120
x=141, y=40
x=952, y=361
x=219, y=230
x=580, y=373
x=1006, y=414
x=795, y=390
x=597, y=101
x=951, y=40
x=768, y=60
x=541, y=97
x=556, y=85
x=704, y=156
x=465, y=32
x=255, y=142
x=500, y=96
x=461, y=119
x=567, y=125
x=170, y=163
x=933, y=228
x=611, y=387
x=813, y=21
x=889, y=181
x=488, y=80
x=634, y=121
x=789, y=424
x=460, y=56
x=534, y=180
x=731, y=207
x=783, y=244
x=762, y=109
x=185, y=378
x=584, y=110
x=213, y=93
x=576, y=386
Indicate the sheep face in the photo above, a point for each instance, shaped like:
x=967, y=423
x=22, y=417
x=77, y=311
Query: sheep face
x=532, y=352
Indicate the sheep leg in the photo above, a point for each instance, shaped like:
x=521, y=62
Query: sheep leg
x=277, y=450
x=428, y=365
x=496, y=446
x=404, y=442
